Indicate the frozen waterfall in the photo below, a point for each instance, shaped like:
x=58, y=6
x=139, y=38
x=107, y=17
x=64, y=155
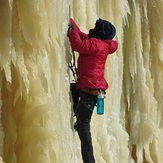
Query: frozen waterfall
x=35, y=102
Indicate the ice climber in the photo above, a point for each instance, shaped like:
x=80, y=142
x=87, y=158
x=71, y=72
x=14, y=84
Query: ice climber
x=93, y=49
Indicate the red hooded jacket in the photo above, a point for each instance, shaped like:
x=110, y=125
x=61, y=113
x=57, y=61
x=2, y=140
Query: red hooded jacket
x=93, y=53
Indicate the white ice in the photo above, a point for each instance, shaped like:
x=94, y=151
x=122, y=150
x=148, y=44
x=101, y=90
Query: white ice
x=35, y=101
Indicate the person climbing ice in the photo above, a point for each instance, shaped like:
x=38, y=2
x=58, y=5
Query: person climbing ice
x=93, y=49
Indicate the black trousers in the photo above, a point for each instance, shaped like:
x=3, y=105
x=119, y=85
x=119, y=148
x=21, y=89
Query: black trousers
x=83, y=113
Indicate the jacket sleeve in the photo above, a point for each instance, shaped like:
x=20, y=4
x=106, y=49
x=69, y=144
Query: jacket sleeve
x=85, y=46
x=81, y=34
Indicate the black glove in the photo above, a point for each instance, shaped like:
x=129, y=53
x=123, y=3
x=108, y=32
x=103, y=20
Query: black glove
x=71, y=27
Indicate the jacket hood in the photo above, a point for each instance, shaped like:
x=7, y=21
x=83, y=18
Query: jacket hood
x=112, y=45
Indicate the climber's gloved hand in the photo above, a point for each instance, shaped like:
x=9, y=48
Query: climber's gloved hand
x=71, y=27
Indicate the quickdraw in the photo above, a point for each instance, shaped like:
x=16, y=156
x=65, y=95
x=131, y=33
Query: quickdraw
x=73, y=67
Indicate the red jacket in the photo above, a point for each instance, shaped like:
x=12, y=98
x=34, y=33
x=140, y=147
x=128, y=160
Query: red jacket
x=93, y=53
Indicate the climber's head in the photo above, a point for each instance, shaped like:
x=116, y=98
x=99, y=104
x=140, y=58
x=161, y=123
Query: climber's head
x=103, y=30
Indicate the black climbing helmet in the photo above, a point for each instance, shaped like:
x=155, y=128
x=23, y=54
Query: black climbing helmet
x=104, y=29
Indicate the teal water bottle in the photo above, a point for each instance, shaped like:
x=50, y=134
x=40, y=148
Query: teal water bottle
x=100, y=103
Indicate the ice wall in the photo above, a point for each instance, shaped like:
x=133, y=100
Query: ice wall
x=36, y=113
